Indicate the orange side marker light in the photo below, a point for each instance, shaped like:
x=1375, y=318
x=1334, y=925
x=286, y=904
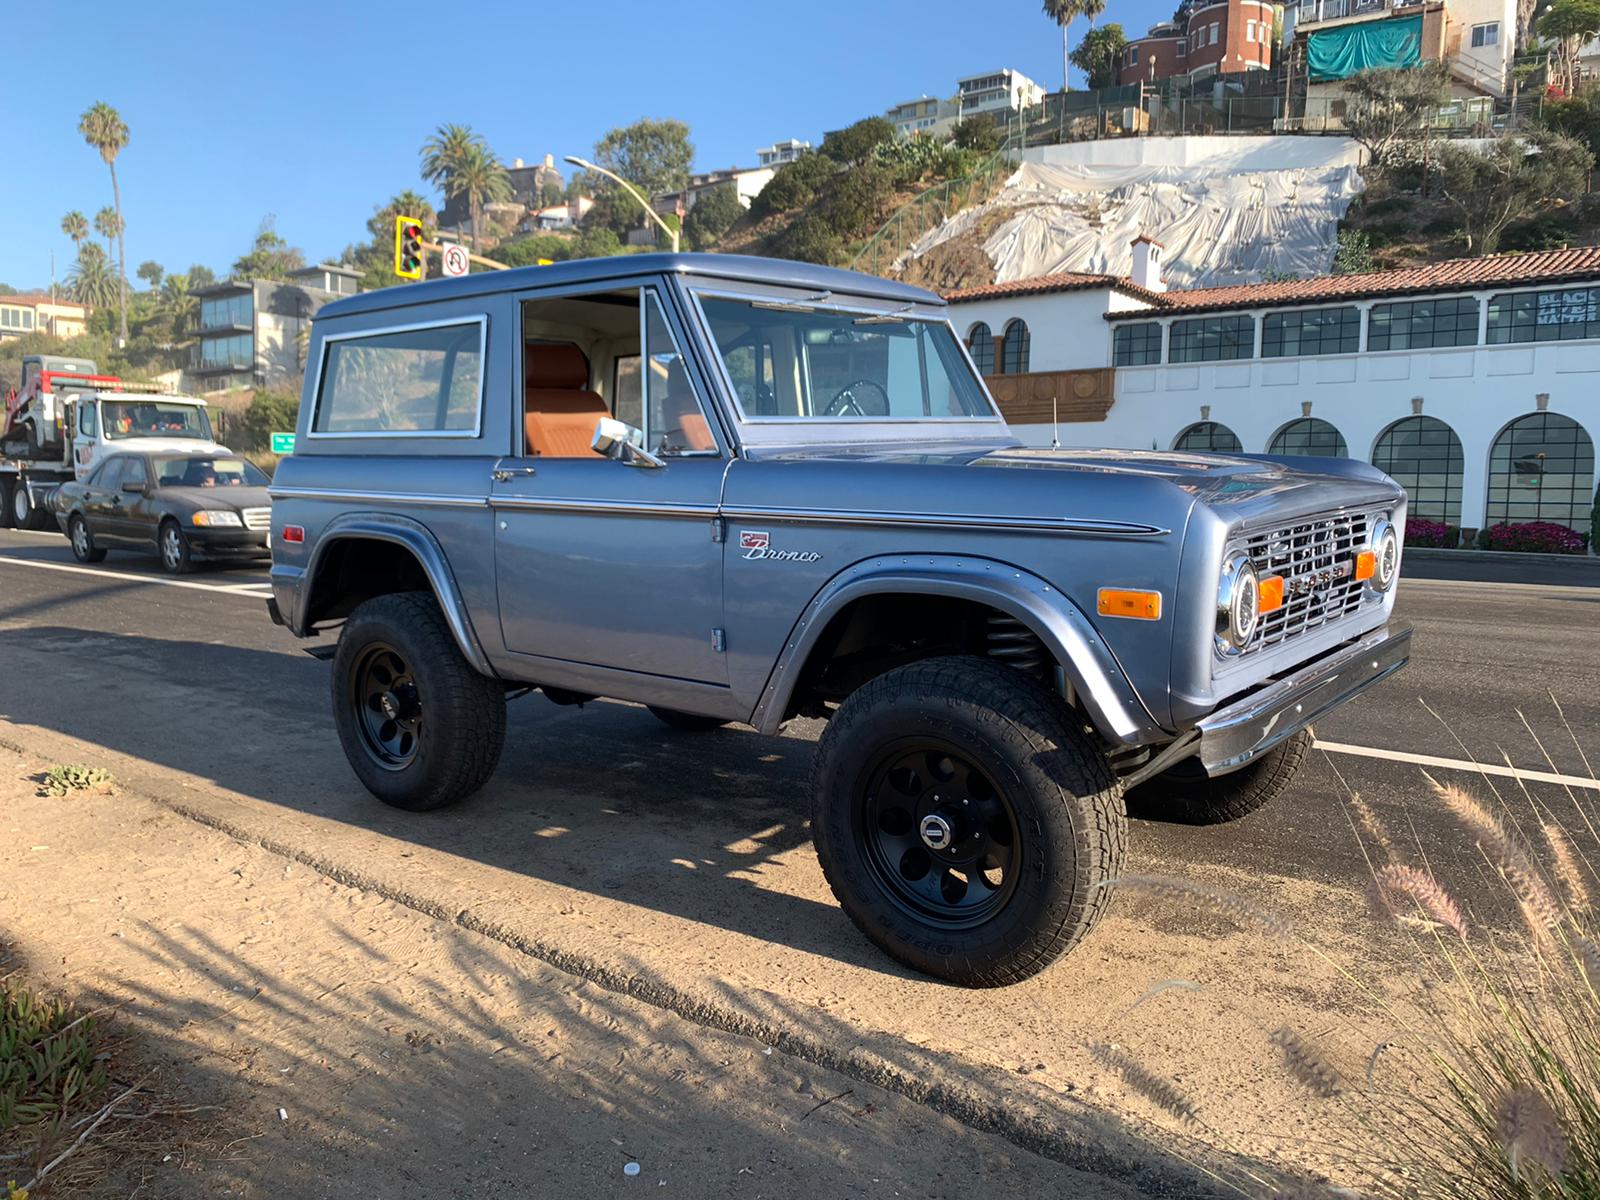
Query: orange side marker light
x=1269, y=594
x=1366, y=565
x=1125, y=602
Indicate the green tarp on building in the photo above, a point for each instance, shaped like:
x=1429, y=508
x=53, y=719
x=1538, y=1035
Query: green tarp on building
x=1340, y=52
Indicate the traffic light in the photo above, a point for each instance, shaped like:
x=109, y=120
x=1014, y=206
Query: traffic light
x=408, y=247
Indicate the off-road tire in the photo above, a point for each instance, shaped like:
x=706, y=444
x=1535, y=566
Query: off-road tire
x=174, y=555
x=688, y=722
x=465, y=713
x=1065, y=797
x=1186, y=795
x=81, y=536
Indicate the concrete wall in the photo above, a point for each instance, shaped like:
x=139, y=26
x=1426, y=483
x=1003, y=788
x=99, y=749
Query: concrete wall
x=1218, y=153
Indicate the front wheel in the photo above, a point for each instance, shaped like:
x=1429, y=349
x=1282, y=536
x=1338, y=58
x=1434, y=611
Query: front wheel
x=84, y=548
x=1184, y=793
x=420, y=726
x=174, y=549
x=965, y=822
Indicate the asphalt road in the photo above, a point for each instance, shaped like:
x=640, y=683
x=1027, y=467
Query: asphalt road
x=678, y=866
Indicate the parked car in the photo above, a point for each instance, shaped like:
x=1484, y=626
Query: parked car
x=182, y=506
x=738, y=490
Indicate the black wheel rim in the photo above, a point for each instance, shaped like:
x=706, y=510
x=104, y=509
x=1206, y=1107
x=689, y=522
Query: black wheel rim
x=938, y=835
x=388, y=706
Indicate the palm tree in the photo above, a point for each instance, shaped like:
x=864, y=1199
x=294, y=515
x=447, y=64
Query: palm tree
x=108, y=225
x=91, y=280
x=1091, y=9
x=76, y=226
x=178, y=303
x=482, y=179
x=1063, y=13
x=104, y=129
x=444, y=153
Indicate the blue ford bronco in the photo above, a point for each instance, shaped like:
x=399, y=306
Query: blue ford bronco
x=738, y=490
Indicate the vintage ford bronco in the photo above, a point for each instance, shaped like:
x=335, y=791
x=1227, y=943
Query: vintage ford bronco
x=732, y=490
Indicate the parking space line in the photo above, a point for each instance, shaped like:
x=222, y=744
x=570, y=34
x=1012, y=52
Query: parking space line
x=1459, y=764
x=223, y=589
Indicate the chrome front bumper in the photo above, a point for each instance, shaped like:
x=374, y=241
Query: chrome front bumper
x=1232, y=736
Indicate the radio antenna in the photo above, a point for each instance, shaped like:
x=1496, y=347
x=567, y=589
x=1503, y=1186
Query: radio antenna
x=1055, y=423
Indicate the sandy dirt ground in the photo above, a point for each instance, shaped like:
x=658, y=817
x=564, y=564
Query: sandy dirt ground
x=354, y=1047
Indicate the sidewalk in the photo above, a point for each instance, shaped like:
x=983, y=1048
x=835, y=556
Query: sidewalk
x=356, y=1047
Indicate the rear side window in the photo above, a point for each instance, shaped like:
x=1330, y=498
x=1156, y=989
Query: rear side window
x=420, y=380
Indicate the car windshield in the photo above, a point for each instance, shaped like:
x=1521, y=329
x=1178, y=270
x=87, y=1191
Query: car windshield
x=789, y=363
x=153, y=418
x=186, y=471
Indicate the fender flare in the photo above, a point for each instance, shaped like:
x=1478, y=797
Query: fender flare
x=1096, y=676
x=424, y=547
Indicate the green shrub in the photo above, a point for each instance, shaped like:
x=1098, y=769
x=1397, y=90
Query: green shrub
x=712, y=215
x=269, y=413
x=74, y=777
x=793, y=185
x=49, y=1058
x=858, y=199
x=855, y=143
x=526, y=251
x=809, y=239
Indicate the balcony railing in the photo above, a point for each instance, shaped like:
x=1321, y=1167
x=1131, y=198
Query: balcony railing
x=1334, y=10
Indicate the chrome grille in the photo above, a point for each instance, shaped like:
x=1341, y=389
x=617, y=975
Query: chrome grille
x=258, y=518
x=1316, y=559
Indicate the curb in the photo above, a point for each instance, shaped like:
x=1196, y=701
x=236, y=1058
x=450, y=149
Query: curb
x=966, y=1104
x=1436, y=554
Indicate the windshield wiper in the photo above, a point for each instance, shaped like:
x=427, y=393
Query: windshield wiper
x=897, y=317
x=804, y=304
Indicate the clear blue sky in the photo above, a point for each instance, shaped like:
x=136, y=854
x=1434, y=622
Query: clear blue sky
x=309, y=112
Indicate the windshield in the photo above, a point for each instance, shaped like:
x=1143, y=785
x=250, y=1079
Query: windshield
x=177, y=470
x=154, y=418
x=822, y=364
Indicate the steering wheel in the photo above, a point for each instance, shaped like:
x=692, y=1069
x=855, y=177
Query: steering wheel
x=846, y=403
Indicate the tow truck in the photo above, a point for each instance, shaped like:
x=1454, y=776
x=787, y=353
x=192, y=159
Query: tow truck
x=67, y=416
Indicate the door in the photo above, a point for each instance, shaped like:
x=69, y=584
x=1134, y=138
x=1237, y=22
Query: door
x=98, y=492
x=126, y=500
x=597, y=562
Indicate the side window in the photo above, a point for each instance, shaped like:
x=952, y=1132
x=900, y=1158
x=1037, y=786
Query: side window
x=88, y=421
x=133, y=472
x=675, y=421
x=628, y=401
x=108, y=474
x=425, y=380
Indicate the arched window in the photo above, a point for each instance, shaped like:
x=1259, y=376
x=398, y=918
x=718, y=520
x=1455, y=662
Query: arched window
x=980, y=344
x=1424, y=456
x=1541, y=468
x=1310, y=436
x=1210, y=437
x=1014, y=348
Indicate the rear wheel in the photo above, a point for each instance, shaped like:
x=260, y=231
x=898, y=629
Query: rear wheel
x=965, y=822
x=688, y=722
x=6, y=519
x=1186, y=794
x=173, y=548
x=25, y=514
x=83, y=544
x=420, y=727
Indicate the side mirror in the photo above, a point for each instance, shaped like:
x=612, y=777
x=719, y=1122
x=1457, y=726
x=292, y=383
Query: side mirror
x=621, y=442
x=130, y=486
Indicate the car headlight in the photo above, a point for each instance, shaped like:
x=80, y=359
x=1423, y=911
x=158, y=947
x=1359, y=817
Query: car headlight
x=1238, y=604
x=217, y=518
x=1386, y=555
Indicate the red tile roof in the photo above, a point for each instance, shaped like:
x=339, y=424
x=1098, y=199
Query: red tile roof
x=1457, y=274
x=1041, y=284
x=34, y=299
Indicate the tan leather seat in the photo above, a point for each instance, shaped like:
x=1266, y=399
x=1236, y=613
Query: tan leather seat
x=558, y=410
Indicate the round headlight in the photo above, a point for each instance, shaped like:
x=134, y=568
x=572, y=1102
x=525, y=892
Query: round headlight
x=1238, y=604
x=1386, y=551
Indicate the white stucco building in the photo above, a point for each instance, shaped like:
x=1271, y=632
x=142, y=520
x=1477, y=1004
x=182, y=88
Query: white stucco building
x=1475, y=382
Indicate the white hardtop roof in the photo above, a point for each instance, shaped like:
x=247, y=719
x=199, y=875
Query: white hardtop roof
x=148, y=397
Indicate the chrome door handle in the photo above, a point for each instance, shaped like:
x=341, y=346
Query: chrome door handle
x=504, y=474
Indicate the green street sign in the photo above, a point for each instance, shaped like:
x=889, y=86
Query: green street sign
x=283, y=443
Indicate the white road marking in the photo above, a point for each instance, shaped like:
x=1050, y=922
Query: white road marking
x=223, y=589
x=1458, y=764
x=49, y=533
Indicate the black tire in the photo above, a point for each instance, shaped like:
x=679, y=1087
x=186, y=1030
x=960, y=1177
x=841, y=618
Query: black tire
x=459, y=722
x=25, y=514
x=688, y=722
x=6, y=519
x=1185, y=794
x=172, y=548
x=82, y=539
x=1050, y=790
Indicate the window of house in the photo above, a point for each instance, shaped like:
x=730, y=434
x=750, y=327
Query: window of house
x=1421, y=324
x=1214, y=28
x=1541, y=468
x=1559, y=315
x=1249, y=31
x=227, y=310
x=1423, y=455
x=1133, y=56
x=1014, y=348
x=421, y=380
x=980, y=344
x=1486, y=35
x=1213, y=339
x=234, y=350
x=1209, y=437
x=1312, y=331
x=1183, y=49
x=1136, y=344
x=1309, y=436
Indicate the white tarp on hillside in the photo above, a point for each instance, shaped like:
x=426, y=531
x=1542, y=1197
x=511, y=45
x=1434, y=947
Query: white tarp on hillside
x=1219, y=224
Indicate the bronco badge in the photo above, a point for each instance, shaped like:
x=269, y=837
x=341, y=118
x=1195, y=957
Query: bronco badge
x=757, y=545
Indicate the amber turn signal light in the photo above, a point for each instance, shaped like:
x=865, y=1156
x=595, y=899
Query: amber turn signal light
x=1269, y=594
x=1123, y=602
x=1366, y=565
